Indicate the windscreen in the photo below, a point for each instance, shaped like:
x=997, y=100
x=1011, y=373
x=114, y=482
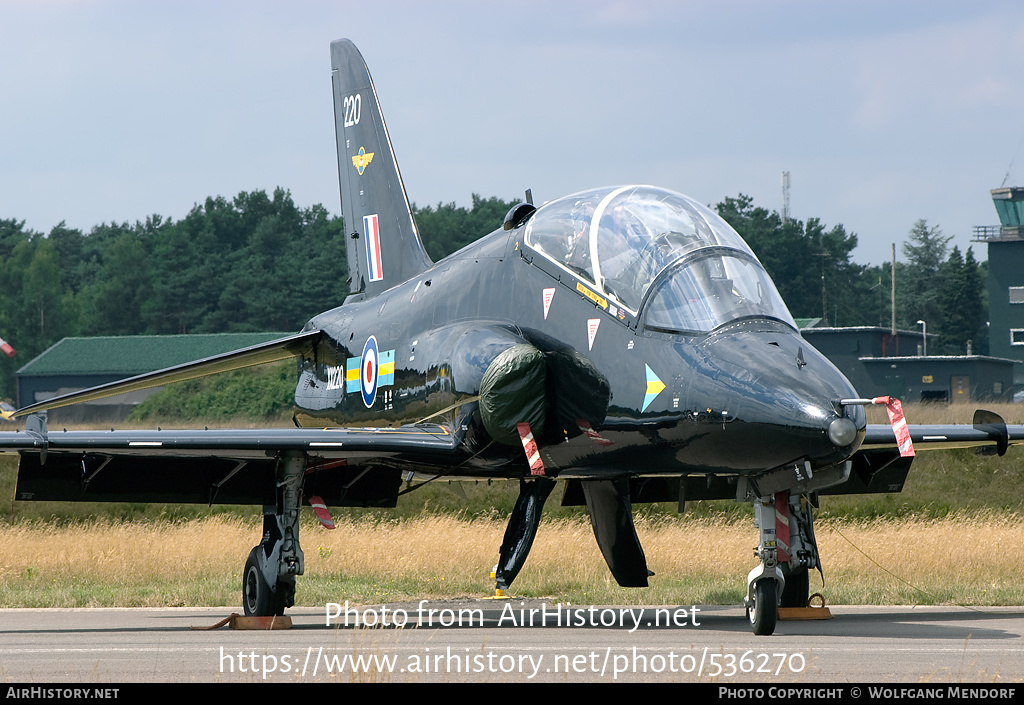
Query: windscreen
x=712, y=289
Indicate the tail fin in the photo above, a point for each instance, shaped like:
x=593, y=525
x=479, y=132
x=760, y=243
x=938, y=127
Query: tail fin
x=384, y=247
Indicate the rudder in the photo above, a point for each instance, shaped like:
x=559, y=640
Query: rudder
x=384, y=246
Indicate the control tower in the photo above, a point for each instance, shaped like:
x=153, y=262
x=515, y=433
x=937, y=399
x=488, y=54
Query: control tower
x=1006, y=276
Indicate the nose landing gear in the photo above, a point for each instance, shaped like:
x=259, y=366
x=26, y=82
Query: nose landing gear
x=765, y=583
x=787, y=548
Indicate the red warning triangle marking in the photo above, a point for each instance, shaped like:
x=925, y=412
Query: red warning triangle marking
x=548, y=295
x=592, y=325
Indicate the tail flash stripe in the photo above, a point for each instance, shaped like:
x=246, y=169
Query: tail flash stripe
x=373, y=260
x=530, y=446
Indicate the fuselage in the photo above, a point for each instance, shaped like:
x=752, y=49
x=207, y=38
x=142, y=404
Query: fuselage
x=623, y=395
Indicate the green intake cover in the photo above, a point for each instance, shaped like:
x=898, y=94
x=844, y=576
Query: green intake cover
x=513, y=391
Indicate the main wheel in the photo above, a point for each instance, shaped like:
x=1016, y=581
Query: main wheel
x=257, y=597
x=765, y=611
x=797, y=588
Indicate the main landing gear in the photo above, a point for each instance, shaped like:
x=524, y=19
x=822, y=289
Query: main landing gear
x=268, y=581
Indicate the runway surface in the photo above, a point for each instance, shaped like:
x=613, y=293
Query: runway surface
x=496, y=643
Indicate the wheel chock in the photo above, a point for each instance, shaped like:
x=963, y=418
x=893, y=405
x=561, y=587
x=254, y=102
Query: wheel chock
x=795, y=614
x=237, y=621
x=278, y=622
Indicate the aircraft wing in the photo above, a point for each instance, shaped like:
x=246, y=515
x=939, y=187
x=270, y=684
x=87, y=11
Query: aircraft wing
x=346, y=467
x=943, y=436
x=235, y=443
x=988, y=431
x=271, y=351
x=224, y=465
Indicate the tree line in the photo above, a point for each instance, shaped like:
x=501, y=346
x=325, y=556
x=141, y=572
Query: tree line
x=259, y=262
x=812, y=266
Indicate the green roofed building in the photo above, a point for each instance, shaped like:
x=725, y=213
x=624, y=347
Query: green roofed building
x=79, y=363
x=880, y=363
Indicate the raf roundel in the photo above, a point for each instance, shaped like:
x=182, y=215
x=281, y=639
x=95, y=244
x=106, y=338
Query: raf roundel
x=368, y=371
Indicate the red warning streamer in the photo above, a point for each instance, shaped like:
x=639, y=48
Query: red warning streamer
x=530, y=446
x=320, y=509
x=899, y=424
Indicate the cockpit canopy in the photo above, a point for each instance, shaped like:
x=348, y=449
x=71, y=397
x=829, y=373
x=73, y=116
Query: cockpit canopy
x=632, y=240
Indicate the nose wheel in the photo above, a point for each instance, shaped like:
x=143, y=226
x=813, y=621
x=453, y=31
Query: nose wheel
x=765, y=610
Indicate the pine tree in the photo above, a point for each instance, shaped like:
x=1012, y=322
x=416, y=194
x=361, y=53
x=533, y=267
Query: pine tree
x=918, y=295
x=963, y=309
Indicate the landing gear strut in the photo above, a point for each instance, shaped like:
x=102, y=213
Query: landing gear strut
x=802, y=550
x=268, y=581
x=521, y=530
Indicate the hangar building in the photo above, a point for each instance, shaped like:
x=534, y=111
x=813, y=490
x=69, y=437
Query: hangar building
x=78, y=363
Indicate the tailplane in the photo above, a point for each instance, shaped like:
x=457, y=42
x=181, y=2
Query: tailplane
x=384, y=247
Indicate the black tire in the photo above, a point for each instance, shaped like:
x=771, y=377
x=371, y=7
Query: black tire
x=797, y=588
x=765, y=611
x=257, y=597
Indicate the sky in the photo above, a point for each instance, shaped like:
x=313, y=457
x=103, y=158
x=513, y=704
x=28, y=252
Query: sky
x=882, y=112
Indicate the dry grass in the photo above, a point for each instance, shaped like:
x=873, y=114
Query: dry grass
x=958, y=560
x=120, y=563
x=970, y=559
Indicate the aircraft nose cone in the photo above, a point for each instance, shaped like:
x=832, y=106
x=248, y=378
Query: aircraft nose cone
x=784, y=393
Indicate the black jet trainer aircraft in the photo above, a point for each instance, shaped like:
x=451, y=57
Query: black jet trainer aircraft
x=624, y=341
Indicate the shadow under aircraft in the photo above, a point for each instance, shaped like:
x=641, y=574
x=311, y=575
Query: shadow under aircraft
x=624, y=341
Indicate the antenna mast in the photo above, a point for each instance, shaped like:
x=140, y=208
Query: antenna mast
x=785, y=196
x=892, y=292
